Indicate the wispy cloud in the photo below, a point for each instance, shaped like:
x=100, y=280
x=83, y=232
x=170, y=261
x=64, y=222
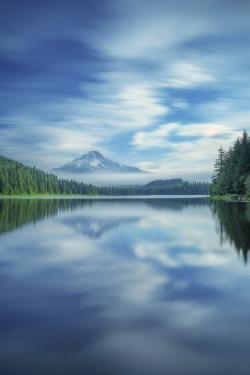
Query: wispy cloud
x=155, y=138
x=187, y=150
x=151, y=80
x=187, y=74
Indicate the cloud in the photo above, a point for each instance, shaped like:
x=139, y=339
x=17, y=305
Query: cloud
x=145, y=28
x=187, y=74
x=140, y=102
x=172, y=134
x=124, y=77
x=121, y=105
x=187, y=150
x=154, y=138
x=201, y=130
x=46, y=145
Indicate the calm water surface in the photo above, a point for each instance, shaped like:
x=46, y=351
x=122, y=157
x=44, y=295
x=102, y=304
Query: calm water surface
x=124, y=287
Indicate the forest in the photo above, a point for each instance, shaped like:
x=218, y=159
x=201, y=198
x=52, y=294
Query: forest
x=18, y=179
x=177, y=186
x=232, y=169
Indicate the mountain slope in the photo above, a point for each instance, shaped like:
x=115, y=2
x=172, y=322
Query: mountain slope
x=95, y=162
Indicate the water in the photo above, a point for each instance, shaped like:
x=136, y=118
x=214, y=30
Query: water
x=124, y=287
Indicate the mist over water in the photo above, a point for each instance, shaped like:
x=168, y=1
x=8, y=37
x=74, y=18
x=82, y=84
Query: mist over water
x=124, y=286
x=103, y=179
x=118, y=179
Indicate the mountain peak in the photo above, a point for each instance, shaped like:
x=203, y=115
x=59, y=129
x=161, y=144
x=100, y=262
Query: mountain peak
x=94, y=161
x=95, y=154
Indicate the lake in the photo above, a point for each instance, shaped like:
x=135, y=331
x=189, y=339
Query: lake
x=150, y=286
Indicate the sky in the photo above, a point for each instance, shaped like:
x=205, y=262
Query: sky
x=156, y=84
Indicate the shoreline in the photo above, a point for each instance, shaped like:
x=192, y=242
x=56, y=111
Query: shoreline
x=226, y=198
x=51, y=196
x=230, y=198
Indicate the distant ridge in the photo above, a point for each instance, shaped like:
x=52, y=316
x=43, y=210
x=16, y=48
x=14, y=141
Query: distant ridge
x=94, y=161
x=18, y=179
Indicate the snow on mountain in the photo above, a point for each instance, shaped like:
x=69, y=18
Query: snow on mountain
x=95, y=162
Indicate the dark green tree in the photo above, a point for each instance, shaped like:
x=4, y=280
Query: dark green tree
x=232, y=168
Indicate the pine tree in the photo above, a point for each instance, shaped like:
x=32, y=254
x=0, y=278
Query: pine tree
x=16, y=178
x=219, y=164
x=247, y=184
x=232, y=168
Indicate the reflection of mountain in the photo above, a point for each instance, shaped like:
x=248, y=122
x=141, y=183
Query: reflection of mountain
x=233, y=224
x=15, y=213
x=95, y=227
x=176, y=204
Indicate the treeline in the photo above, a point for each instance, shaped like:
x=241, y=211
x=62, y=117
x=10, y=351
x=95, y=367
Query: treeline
x=16, y=178
x=232, y=169
x=177, y=186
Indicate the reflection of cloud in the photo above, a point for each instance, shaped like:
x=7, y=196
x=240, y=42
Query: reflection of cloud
x=168, y=254
x=203, y=260
x=155, y=251
x=183, y=245
x=64, y=295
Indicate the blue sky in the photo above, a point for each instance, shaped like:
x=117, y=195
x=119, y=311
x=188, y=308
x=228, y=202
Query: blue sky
x=157, y=84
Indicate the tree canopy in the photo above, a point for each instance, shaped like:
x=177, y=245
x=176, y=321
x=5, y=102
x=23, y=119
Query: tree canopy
x=232, y=169
x=16, y=178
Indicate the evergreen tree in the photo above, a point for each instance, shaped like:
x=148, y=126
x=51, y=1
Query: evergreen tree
x=16, y=178
x=248, y=185
x=219, y=164
x=232, y=168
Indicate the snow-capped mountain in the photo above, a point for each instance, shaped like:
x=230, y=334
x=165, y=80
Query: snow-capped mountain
x=95, y=162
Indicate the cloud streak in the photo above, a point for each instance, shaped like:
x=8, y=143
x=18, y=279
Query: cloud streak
x=145, y=83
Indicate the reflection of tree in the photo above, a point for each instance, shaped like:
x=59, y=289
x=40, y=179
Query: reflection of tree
x=15, y=213
x=233, y=224
x=176, y=204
